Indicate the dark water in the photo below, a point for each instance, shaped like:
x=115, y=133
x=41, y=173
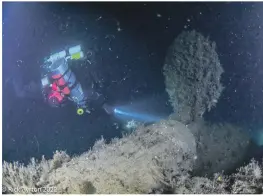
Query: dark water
x=127, y=44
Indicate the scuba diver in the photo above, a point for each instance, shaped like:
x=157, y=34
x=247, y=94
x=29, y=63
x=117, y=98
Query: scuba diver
x=59, y=83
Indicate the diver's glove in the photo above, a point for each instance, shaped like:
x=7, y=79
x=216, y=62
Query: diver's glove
x=108, y=108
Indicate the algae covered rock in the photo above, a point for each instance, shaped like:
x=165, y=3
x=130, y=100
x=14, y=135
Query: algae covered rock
x=192, y=72
x=140, y=162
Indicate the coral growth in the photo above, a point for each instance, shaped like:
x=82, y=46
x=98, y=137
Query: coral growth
x=20, y=179
x=137, y=163
x=159, y=158
x=220, y=147
x=192, y=73
x=247, y=180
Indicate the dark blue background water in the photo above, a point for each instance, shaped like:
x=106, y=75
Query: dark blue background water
x=128, y=42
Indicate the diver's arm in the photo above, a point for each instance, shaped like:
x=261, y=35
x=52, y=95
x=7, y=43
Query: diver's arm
x=88, y=100
x=108, y=108
x=91, y=95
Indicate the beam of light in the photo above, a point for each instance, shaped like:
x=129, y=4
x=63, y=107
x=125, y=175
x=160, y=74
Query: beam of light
x=142, y=117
